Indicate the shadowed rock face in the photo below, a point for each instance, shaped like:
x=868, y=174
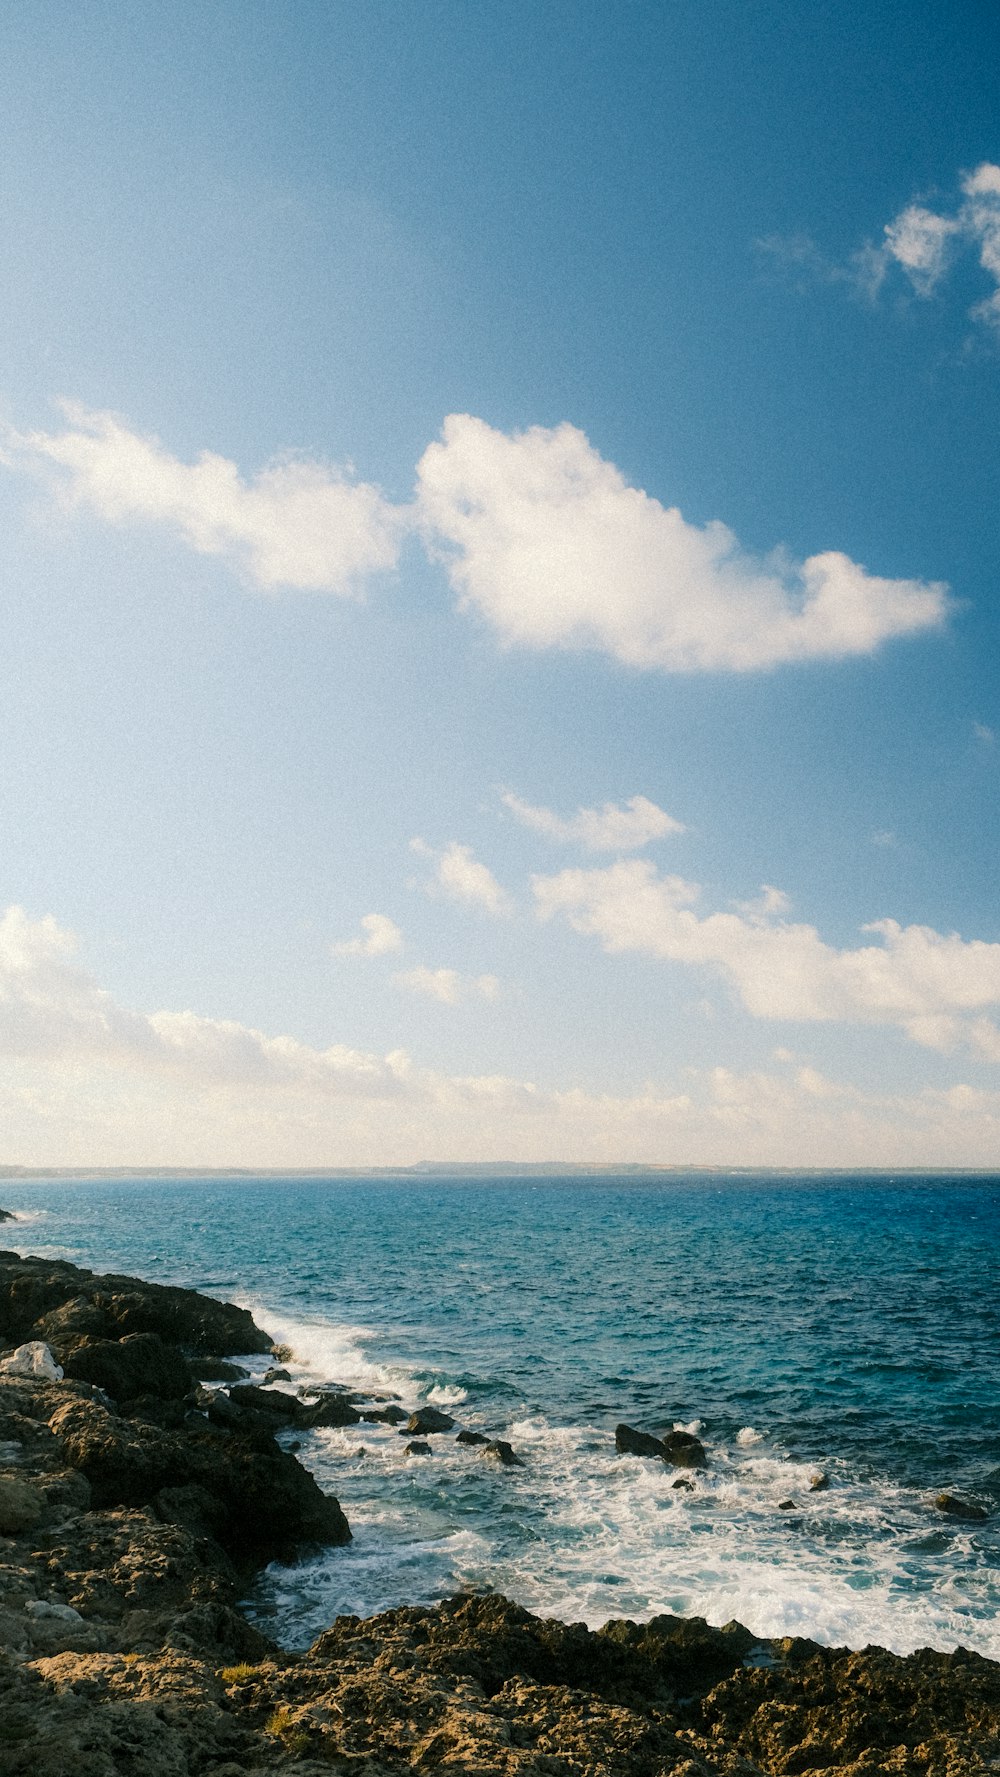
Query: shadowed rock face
x=122, y=1652
x=66, y=1306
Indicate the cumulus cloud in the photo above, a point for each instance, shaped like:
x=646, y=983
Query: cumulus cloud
x=49, y=1005
x=447, y=985
x=382, y=935
x=539, y=535
x=612, y=827
x=298, y=524
x=87, y=1082
x=460, y=876
x=926, y=983
x=918, y=240
x=770, y=901
x=548, y=542
x=923, y=243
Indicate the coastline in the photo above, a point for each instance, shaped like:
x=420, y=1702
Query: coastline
x=138, y=1505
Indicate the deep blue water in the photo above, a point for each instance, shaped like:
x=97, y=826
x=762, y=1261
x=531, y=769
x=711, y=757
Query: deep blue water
x=842, y=1324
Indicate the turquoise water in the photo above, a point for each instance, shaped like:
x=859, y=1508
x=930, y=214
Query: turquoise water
x=845, y=1324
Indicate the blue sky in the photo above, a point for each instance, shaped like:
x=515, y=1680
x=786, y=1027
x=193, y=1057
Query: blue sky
x=523, y=478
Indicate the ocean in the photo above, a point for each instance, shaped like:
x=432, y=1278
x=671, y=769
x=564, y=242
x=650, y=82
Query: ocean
x=842, y=1324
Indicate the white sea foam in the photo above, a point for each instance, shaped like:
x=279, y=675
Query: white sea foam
x=325, y=1351
x=443, y=1394
x=583, y=1534
x=748, y=1437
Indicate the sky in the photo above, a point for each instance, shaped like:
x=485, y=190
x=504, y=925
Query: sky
x=499, y=554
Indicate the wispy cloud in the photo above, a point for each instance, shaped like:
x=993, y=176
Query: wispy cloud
x=921, y=243
x=87, y=1081
x=382, y=935
x=298, y=524
x=461, y=877
x=548, y=542
x=984, y=734
x=935, y=987
x=612, y=827
x=448, y=985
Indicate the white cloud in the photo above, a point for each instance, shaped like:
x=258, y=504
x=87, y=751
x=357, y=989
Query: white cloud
x=49, y=1005
x=297, y=524
x=922, y=241
x=447, y=985
x=918, y=240
x=551, y=545
x=382, y=935
x=86, y=1082
x=612, y=827
x=461, y=877
x=925, y=983
x=770, y=901
x=986, y=735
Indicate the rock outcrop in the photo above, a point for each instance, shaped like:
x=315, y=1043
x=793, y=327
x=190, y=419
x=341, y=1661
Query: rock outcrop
x=681, y=1449
x=127, y=1526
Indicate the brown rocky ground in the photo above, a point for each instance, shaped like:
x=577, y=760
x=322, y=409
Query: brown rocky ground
x=129, y=1522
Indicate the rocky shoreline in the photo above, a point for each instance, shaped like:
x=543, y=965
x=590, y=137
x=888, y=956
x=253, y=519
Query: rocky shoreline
x=136, y=1504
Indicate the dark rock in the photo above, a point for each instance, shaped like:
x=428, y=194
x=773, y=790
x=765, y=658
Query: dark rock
x=429, y=1419
x=629, y=1442
x=787, y=1505
x=269, y=1501
x=277, y=1376
x=282, y=1407
x=683, y=1484
x=139, y=1364
x=329, y=1410
x=7, y=1215
x=500, y=1451
x=472, y=1437
x=955, y=1505
x=819, y=1482
x=417, y=1448
x=63, y=1304
x=684, y=1450
x=22, y=1504
x=259, y=1428
x=194, y=1507
x=210, y=1369
x=384, y=1416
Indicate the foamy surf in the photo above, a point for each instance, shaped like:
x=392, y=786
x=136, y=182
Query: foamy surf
x=584, y=1534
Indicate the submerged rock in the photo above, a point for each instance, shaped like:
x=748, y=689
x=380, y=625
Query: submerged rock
x=629, y=1442
x=681, y=1449
x=501, y=1452
x=472, y=1437
x=329, y=1410
x=429, y=1419
x=384, y=1416
x=684, y=1450
x=417, y=1448
x=819, y=1482
x=956, y=1505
